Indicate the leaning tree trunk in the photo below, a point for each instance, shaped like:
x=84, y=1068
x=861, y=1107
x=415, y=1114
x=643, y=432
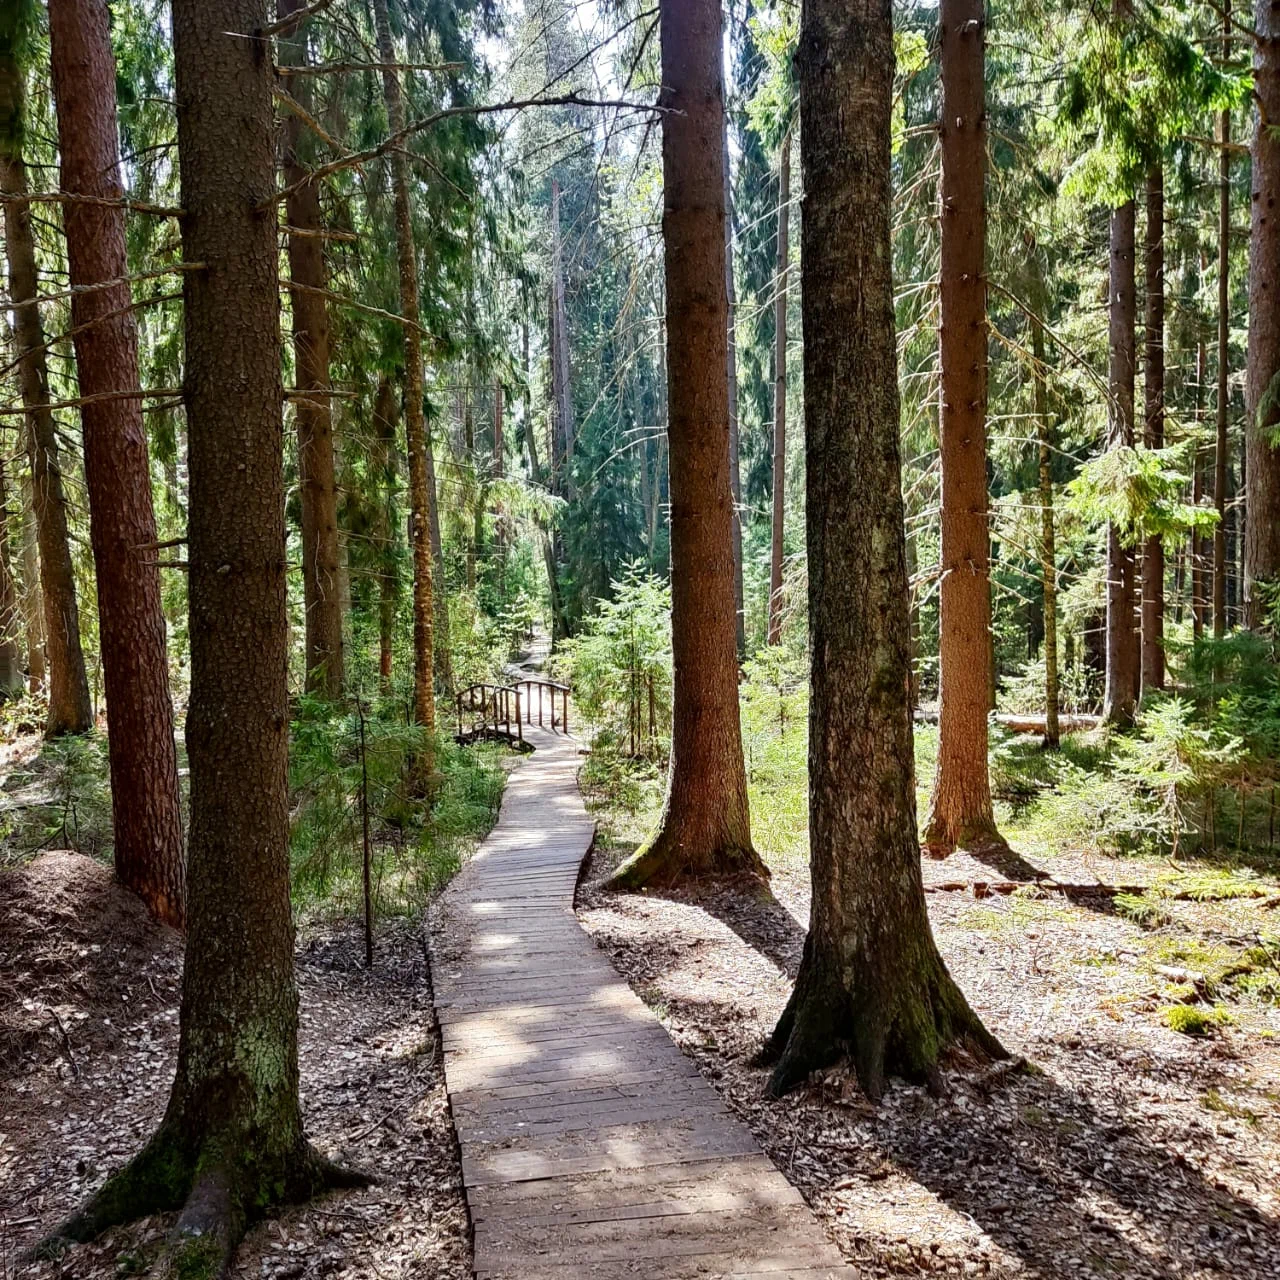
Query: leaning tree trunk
x=705, y=826
x=780, y=393
x=69, y=707
x=1121, y=638
x=146, y=811
x=231, y=1143
x=321, y=597
x=871, y=981
x=10, y=617
x=960, y=811
x=1262, y=456
x=421, y=483
x=1048, y=550
x=1153, y=435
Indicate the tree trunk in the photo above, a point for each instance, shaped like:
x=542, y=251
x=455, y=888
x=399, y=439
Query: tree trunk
x=322, y=602
x=1048, y=551
x=960, y=810
x=530, y=441
x=69, y=707
x=421, y=465
x=231, y=1142
x=1197, y=494
x=10, y=616
x=146, y=810
x=705, y=825
x=735, y=460
x=871, y=981
x=1262, y=504
x=780, y=393
x=32, y=596
x=1153, y=387
x=1122, y=640
x=384, y=426
x=1221, y=458
x=562, y=432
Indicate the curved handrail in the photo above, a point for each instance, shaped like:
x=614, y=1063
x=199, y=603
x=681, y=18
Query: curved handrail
x=495, y=697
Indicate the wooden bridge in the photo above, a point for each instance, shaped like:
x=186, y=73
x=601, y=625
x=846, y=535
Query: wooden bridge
x=499, y=712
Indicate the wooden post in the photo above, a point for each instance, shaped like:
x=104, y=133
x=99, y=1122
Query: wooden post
x=519, y=721
x=565, y=725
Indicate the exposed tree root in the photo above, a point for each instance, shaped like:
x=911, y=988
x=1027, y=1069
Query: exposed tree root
x=219, y=1198
x=904, y=1031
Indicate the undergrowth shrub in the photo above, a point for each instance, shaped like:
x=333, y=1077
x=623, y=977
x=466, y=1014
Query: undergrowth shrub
x=417, y=846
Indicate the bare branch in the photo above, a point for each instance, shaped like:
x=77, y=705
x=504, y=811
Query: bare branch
x=357, y=158
x=296, y=108
x=289, y=26
x=79, y=290
x=351, y=68
x=69, y=197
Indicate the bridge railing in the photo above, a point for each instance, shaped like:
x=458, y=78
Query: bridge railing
x=489, y=711
x=546, y=693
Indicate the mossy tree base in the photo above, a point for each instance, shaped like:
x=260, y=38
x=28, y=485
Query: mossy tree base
x=220, y=1196
x=886, y=1020
x=665, y=861
x=943, y=835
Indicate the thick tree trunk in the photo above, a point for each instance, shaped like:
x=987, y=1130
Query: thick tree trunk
x=69, y=707
x=1121, y=640
x=871, y=981
x=780, y=392
x=960, y=808
x=1048, y=551
x=32, y=596
x=10, y=616
x=322, y=599
x=1262, y=498
x=384, y=427
x=705, y=826
x=145, y=806
x=735, y=459
x=1153, y=388
x=421, y=465
x=231, y=1143
x=530, y=440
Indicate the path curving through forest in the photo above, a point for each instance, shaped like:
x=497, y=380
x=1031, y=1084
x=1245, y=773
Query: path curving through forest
x=590, y=1144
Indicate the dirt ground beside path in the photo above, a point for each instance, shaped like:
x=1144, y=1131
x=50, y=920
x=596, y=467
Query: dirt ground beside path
x=81, y=1091
x=1126, y=1149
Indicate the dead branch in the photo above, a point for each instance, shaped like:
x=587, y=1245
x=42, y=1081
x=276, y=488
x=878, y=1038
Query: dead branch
x=70, y=197
x=350, y=68
x=79, y=290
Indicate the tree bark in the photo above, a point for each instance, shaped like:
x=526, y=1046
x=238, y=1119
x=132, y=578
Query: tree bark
x=321, y=597
x=384, y=426
x=1121, y=640
x=69, y=707
x=871, y=981
x=1262, y=498
x=1048, y=551
x=780, y=393
x=32, y=596
x=231, y=1143
x=735, y=459
x=1153, y=388
x=562, y=432
x=146, y=810
x=1222, y=447
x=1198, y=570
x=10, y=617
x=421, y=465
x=960, y=808
x=705, y=825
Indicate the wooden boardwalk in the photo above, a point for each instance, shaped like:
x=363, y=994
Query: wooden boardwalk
x=591, y=1147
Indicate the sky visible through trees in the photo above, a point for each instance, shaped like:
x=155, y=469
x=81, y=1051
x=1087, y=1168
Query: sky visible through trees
x=864, y=415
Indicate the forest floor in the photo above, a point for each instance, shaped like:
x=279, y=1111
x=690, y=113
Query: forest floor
x=89, y=994
x=1121, y=1148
